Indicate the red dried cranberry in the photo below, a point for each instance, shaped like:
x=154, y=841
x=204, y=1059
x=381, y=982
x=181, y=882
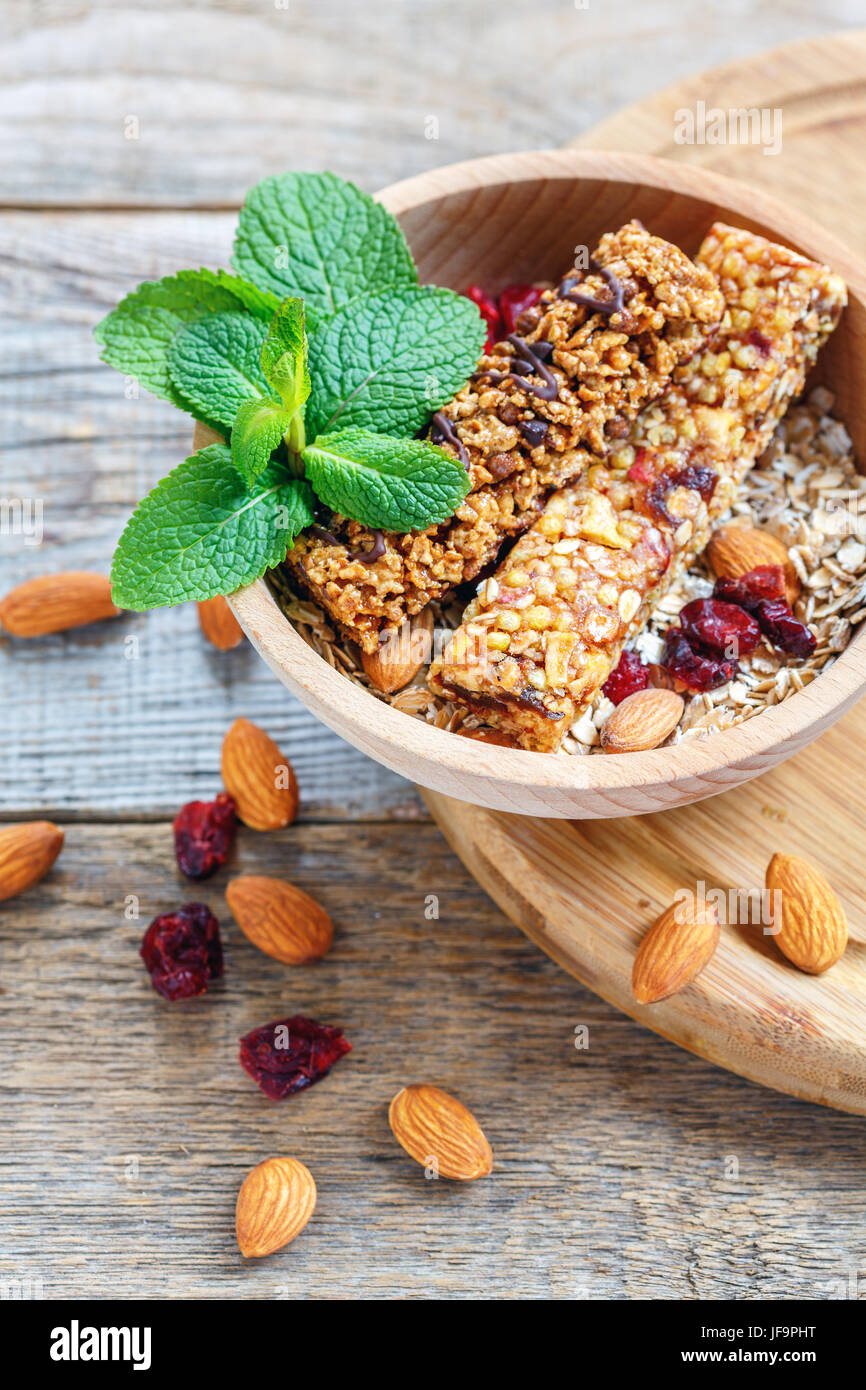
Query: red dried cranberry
x=757, y=339
x=640, y=471
x=514, y=301
x=203, y=834
x=696, y=670
x=291, y=1053
x=723, y=627
x=183, y=952
x=489, y=312
x=629, y=675
x=698, y=478
x=748, y=590
x=695, y=477
x=786, y=632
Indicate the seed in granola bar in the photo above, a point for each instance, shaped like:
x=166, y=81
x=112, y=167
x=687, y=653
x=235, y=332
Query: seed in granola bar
x=786, y=632
x=514, y=301
x=752, y=588
x=290, y=1054
x=698, y=671
x=629, y=675
x=182, y=951
x=489, y=312
x=723, y=627
x=203, y=835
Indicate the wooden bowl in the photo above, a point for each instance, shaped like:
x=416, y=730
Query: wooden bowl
x=518, y=217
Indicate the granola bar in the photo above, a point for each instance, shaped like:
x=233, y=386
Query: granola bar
x=588, y=356
x=544, y=633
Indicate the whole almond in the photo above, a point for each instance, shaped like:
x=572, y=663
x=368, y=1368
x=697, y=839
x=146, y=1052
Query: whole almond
x=642, y=721
x=814, y=928
x=55, y=602
x=275, y=1203
x=27, y=851
x=219, y=624
x=401, y=655
x=734, y=550
x=438, y=1132
x=280, y=919
x=260, y=779
x=675, y=949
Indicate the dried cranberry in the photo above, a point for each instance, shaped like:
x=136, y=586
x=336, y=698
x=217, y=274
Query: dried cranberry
x=514, y=301
x=786, y=632
x=695, y=477
x=640, y=471
x=489, y=312
x=291, y=1053
x=203, y=834
x=183, y=952
x=757, y=339
x=629, y=675
x=723, y=627
x=696, y=670
x=698, y=478
x=747, y=590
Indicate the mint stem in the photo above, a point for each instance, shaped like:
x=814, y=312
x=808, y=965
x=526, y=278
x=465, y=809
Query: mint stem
x=296, y=441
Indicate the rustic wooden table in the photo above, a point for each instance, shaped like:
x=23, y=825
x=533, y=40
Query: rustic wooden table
x=627, y=1169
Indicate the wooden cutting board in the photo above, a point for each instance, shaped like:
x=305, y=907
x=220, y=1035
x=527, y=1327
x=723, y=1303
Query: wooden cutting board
x=586, y=891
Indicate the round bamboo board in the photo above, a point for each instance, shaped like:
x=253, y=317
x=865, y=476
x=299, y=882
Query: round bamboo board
x=587, y=891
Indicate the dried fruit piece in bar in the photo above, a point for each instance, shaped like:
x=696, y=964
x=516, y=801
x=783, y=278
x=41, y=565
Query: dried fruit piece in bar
x=585, y=359
x=544, y=634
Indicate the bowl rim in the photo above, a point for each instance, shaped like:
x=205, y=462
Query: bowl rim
x=364, y=718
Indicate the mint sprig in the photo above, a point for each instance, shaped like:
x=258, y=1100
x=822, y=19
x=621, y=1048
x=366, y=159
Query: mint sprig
x=389, y=484
x=388, y=360
x=326, y=418
x=137, y=335
x=201, y=532
x=318, y=238
x=215, y=364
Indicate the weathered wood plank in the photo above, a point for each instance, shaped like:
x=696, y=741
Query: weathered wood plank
x=626, y=1170
x=225, y=93
x=125, y=718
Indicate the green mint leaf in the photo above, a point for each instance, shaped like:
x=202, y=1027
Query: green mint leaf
x=201, y=533
x=215, y=364
x=392, y=484
x=258, y=428
x=284, y=355
x=318, y=237
x=136, y=336
x=388, y=360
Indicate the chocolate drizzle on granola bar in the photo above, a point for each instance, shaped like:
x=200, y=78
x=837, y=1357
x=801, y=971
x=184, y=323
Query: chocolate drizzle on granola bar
x=366, y=557
x=530, y=358
x=443, y=426
x=614, y=305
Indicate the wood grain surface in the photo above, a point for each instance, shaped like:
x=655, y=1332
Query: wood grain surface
x=623, y=1169
x=628, y=1169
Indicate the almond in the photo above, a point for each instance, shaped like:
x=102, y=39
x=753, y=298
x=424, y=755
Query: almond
x=280, y=919
x=260, y=779
x=27, y=852
x=55, y=602
x=734, y=550
x=675, y=949
x=219, y=624
x=401, y=655
x=275, y=1203
x=814, y=929
x=642, y=721
x=438, y=1132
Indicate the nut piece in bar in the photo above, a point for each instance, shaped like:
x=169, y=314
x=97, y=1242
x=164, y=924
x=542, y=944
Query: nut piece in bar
x=542, y=636
x=586, y=358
